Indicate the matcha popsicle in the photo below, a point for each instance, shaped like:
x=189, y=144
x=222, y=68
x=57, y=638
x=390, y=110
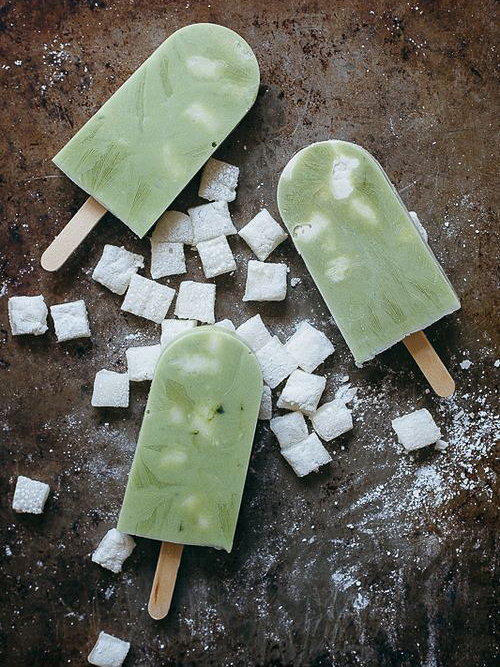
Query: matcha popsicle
x=157, y=130
x=379, y=279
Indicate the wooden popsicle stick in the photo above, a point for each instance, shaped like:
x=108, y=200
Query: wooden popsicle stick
x=430, y=364
x=68, y=240
x=164, y=581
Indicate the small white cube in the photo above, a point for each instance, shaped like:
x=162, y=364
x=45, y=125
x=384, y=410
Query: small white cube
x=30, y=495
x=148, y=299
x=420, y=228
x=276, y=363
x=416, y=429
x=219, y=181
x=196, y=301
x=266, y=403
x=109, y=651
x=116, y=268
x=263, y=234
x=309, y=347
x=70, y=320
x=289, y=429
x=141, y=362
x=307, y=456
x=331, y=420
x=226, y=324
x=170, y=329
x=302, y=391
x=211, y=220
x=173, y=227
x=167, y=259
x=254, y=333
x=110, y=390
x=216, y=257
x=114, y=548
x=265, y=281
x=27, y=315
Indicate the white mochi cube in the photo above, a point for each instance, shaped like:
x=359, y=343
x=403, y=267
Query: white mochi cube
x=170, y=329
x=309, y=347
x=114, y=548
x=263, y=234
x=307, y=456
x=254, y=333
x=421, y=229
x=196, y=301
x=211, y=220
x=30, y=495
x=110, y=390
x=109, y=651
x=226, y=324
x=219, y=181
x=141, y=362
x=266, y=403
x=265, y=281
x=116, y=268
x=148, y=299
x=276, y=363
x=167, y=259
x=302, y=391
x=331, y=420
x=416, y=429
x=216, y=257
x=27, y=315
x=173, y=227
x=289, y=429
x=70, y=320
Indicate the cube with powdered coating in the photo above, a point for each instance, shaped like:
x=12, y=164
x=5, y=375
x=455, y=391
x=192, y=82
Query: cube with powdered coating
x=27, y=315
x=331, y=420
x=116, y=268
x=70, y=320
x=196, y=301
x=30, y=495
x=173, y=227
x=307, y=456
x=265, y=281
x=289, y=429
x=263, y=234
x=216, y=257
x=211, y=220
x=167, y=259
x=108, y=651
x=172, y=328
x=141, y=362
x=148, y=299
x=219, y=181
x=111, y=390
x=226, y=324
x=309, y=347
x=114, y=548
x=302, y=392
x=254, y=332
x=416, y=429
x=266, y=403
x=276, y=363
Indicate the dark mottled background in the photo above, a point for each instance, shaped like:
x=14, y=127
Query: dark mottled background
x=381, y=559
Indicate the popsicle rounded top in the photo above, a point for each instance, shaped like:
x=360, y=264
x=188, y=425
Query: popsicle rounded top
x=157, y=130
x=191, y=461
x=379, y=279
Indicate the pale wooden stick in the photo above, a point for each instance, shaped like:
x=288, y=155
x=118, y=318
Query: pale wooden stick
x=68, y=240
x=164, y=581
x=430, y=364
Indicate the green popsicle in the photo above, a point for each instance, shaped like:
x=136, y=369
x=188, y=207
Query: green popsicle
x=192, y=456
x=379, y=279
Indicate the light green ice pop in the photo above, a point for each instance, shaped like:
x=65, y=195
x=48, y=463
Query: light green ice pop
x=192, y=456
x=379, y=279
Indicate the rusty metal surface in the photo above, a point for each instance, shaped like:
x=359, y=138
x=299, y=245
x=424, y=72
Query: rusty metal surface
x=380, y=559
